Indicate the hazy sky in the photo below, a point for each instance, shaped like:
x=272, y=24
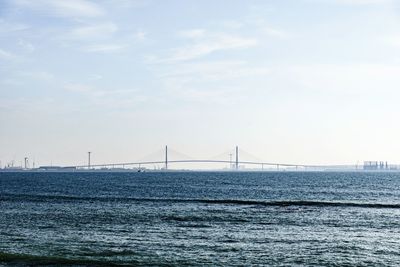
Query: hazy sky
x=302, y=81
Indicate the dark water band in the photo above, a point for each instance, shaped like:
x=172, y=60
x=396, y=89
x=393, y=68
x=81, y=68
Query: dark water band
x=279, y=203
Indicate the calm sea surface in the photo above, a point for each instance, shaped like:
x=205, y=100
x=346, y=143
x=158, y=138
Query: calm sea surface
x=200, y=219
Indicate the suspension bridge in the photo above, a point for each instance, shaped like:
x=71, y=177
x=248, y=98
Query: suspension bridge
x=235, y=162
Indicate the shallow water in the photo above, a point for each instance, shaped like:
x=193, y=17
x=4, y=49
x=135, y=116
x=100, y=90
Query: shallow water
x=200, y=219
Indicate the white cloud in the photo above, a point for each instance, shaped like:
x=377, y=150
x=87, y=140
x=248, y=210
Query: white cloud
x=63, y=8
x=80, y=88
x=140, y=35
x=127, y=4
x=108, y=47
x=98, y=31
x=354, y=2
x=221, y=42
x=353, y=79
x=27, y=105
x=26, y=45
x=264, y=27
x=22, y=78
x=206, y=43
x=6, y=55
x=274, y=32
x=215, y=81
x=96, y=77
x=8, y=27
x=102, y=37
x=232, y=24
x=94, y=91
x=216, y=70
x=12, y=82
x=110, y=99
x=37, y=75
x=229, y=81
x=193, y=33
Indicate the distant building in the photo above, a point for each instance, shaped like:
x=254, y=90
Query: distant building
x=56, y=168
x=13, y=168
x=376, y=165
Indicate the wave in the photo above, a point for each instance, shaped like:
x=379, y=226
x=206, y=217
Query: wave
x=243, y=202
x=29, y=260
x=310, y=203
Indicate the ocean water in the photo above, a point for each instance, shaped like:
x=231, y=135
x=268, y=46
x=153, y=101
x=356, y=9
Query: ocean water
x=200, y=219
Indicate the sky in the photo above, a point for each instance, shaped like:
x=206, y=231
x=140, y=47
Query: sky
x=295, y=81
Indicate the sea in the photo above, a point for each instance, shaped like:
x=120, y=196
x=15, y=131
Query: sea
x=200, y=219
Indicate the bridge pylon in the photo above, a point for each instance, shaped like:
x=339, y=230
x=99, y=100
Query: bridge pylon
x=166, y=157
x=237, y=158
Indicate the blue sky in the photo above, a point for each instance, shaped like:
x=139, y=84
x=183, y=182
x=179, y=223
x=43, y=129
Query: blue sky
x=303, y=81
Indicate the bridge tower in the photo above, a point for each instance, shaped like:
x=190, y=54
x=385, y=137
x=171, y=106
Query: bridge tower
x=237, y=158
x=89, y=159
x=26, y=162
x=166, y=157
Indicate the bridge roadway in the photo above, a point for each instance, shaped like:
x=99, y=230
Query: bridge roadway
x=210, y=161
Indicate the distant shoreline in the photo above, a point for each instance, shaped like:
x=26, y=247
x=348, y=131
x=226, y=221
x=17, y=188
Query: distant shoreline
x=195, y=170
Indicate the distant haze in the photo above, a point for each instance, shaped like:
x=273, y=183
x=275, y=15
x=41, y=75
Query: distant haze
x=299, y=81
